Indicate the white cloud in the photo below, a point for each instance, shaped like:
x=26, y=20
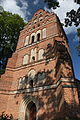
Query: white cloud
x=35, y=2
x=65, y=6
x=11, y=6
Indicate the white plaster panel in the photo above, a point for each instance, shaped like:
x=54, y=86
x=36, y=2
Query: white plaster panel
x=31, y=73
x=40, y=54
x=26, y=41
x=33, y=54
x=25, y=59
x=44, y=33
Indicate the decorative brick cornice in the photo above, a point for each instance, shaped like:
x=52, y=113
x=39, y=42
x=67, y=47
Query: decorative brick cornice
x=28, y=65
x=42, y=88
x=37, y=42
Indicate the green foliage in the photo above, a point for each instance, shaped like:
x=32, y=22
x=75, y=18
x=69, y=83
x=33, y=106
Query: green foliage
x=6, y=116
x=73, y=17
x=78, y=46
x=2, y=71
x=52, y=3
x=77, y=1
x=10, y=26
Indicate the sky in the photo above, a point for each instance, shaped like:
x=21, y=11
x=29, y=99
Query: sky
x=27, y=8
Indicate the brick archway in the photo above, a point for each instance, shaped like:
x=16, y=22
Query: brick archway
x=28, y=104
x=31, y=109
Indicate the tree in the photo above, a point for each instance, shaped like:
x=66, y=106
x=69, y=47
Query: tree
x=78, y=46
x=10, y=26
x=52, y=3
x=77, y=1
x=72, y=17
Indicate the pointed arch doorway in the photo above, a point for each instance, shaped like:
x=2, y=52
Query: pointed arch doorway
x=31, y=111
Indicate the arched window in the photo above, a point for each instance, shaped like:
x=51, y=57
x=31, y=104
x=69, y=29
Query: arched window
x=31, y=83
x=41, y=18
x=31, y=77
x=22, y=83
x=33, y=55
x=41, y=54
x=33, y=37
x=31, y=74
x=38, y=37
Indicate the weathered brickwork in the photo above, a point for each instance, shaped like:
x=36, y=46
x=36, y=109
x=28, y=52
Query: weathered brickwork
x=39, y=82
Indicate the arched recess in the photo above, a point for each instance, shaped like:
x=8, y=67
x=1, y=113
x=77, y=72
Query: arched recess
x=41, y=54
x=28, y=103
x=31, y=111
x=31, y=76
x=22, y=83
x=38, y=35
x=31, y=73
x=33, y=55
x=26, y=41
x=40, y=18
x=32, y=38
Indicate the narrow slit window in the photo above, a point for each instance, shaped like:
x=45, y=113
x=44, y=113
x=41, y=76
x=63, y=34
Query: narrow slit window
x=31, y=83
x=33, y=58
x=38, y=37
x=33, y=39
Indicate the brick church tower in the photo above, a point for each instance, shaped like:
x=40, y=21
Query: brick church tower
x=39, y=82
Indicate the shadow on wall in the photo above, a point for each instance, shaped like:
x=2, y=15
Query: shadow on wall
x=58, y=51
x=66, y=112
x=40, y=78
x=53, y=105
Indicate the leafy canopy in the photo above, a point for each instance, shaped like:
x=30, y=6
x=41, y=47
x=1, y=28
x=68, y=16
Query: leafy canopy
x=72, y=17
x=52, y=3
x=10, y=26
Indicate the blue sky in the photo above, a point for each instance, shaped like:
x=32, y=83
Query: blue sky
x=26, y=9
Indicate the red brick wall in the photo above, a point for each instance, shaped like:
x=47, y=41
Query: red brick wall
x=51, y=101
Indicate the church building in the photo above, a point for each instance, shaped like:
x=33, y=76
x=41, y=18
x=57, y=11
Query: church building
x=39, y=82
